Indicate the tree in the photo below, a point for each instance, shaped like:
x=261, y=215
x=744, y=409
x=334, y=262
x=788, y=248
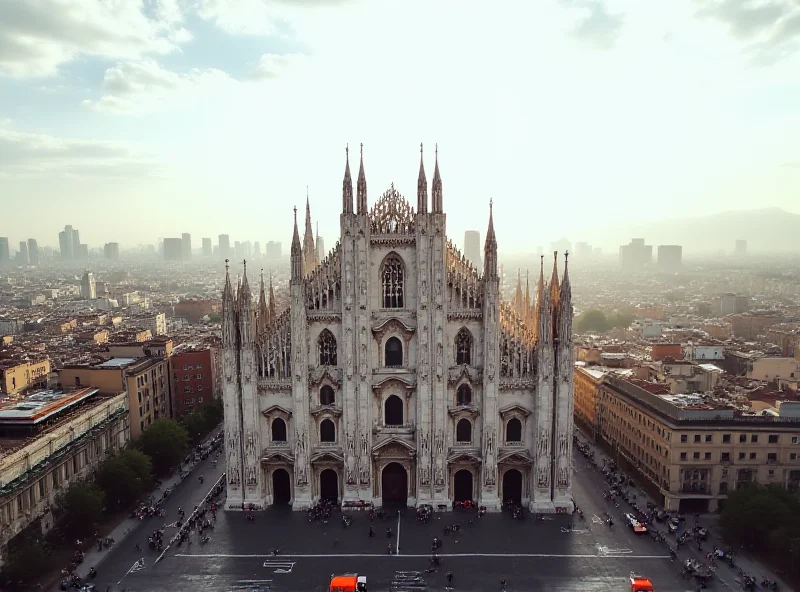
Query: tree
x=202, y=420
x=124, y=477
x=165, y=441
x=27, y=563
x=765, y=520
x=592, y=321
x=80, y=508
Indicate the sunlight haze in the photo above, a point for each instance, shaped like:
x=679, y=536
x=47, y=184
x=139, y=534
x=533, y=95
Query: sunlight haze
x=138, y=120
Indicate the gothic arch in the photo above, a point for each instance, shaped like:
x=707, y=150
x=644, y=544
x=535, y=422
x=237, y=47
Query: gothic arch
x=327, y=431
x=393, y=285
x=464, y=394
x=514, y=430
x=326, y=345
x=327, y=396
x=464, y=431
x=393, y=411
x=278, y=430
x=463, y=346
x=393, y=352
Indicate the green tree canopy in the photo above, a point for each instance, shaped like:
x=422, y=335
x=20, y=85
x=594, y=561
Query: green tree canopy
x=766, y=520
x=201, y=421
x=27, y=564
x=124, y=477
x=165, y=441
x=80, y=508
x=596, y=321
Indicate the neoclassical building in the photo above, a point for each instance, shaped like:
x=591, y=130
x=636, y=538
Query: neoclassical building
x=398, y=374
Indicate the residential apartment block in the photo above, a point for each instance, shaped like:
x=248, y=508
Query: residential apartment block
x=17, y=376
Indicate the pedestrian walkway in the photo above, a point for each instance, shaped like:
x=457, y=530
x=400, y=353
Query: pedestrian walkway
x=710, y=522
x=94, y=557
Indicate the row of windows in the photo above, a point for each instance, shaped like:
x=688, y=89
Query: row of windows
x=392, y=350
x=772, y=457
x=393, y=416
x=327, y=396
x=743, y=438
x=199, y=367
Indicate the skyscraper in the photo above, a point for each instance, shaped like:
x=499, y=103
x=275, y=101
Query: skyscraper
x=88, y=286
x=207, y=248
x=186, y=246
x=5, y=252
x=33, y=251
x=22, y=255
x=224, y=246
x=173, y=249
x=472, y=248
x=111, y=251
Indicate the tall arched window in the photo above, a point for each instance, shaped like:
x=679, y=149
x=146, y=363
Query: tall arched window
x=463, y=346
x=514, y=430
x=464, y=395
x=393, y=282
x=393, y=353
x=327, y=348
x=278, y=430
x=326, y=395
x=327, y=431
x=463, y=431
x=393, y=411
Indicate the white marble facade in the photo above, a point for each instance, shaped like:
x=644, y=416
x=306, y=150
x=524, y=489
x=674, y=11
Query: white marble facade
x=398, y=374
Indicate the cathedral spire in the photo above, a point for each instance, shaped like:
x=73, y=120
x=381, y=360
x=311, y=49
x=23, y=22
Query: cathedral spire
x=422, y=186
x=540, y=289
x=246, y=320
x=490, y=248
x=527, y=305
x=228, y=311
x=297, y=253
x=347, y=185
x=361, y=186
x=309, y=247
x=436, y=186
x=263, y=310
x=272, y=304
x=554, y=280
x=543, y=317
x=518, y=293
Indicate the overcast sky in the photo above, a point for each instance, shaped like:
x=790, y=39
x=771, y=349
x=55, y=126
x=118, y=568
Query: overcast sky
x=133, y=120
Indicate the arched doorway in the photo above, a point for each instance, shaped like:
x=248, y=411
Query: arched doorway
x=393, y=353
x=394, y=484
x=393, y=411
x=329, y=485
x=281, y=487
x=512, y=486
x=462, y=485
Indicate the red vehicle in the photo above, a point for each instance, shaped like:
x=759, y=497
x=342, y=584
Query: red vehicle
x=641, y=584
x=349, y=583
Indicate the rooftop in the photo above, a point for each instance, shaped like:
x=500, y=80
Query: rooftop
x=117, y=363
x=41, y=405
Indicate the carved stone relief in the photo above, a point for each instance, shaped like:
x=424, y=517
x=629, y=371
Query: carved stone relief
x=251, y=476
x=489, y=466
x=543, y=474
x=300, y=457
x=348, y=339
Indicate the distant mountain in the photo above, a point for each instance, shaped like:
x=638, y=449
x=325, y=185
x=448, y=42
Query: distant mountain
x=767, y=230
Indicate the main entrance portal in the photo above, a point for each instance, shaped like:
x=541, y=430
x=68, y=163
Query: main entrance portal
x=512, y=486
x=394, y=484
x=462, y=486
x=281, y=487
x=329, y=485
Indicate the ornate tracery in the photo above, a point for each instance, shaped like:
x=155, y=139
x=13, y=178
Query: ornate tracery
x=393, y=282
x=463, y=347
x=326, y=343
x=392, y=214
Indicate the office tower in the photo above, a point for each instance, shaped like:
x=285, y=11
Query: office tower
x=173, y=249
x=5, y=252
x=224, y=246
x=635, y=254
x=257, y=250
x=247, y=250
x=111, y=251
x=741, y=248
x=76, y=242
x=207, y=248
x=33, y=251
x=88, y=286
x=472, y=248
x=186, y=246
x=22, y=254
x=583, y=250
x=274, y=250
x=83, y=252
x=669, y=256
x=65, y=243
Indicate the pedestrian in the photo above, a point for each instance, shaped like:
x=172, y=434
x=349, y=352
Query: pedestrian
x=450, y=579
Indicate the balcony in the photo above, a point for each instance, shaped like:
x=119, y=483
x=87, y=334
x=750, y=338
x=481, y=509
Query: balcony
x=404, y=432
x=696, y=488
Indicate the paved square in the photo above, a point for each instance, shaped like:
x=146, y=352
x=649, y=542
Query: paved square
x=529, y=554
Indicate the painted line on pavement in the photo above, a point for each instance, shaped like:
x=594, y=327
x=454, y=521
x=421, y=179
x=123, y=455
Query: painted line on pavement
x=427, y=556
x=397, y=545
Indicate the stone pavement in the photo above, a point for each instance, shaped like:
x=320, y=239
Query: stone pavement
x=94, y=558
x=728, y=576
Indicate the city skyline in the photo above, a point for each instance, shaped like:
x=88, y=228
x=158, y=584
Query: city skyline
x=184, y=108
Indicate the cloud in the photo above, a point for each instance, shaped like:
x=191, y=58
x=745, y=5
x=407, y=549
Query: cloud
x=769, y=29
x=36, y=37
x=597, y=26
x=791, y=165
x=259, y=17
x=136, y=87
x=33, y=155
x=273, y=65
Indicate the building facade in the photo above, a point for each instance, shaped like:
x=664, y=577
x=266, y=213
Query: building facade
x=398, y=375
x=192, y=370
x=17, y=376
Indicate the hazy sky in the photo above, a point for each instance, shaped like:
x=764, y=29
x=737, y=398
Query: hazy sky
x=133, y=120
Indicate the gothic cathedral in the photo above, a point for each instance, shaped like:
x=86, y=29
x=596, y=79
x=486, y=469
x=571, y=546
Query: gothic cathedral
x=398, y=374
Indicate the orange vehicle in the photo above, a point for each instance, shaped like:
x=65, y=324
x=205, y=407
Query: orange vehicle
x=349, y=583
x=641, y=584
